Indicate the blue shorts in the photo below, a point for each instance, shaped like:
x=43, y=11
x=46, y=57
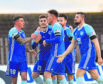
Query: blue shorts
x=39, y=66
x=70, y=63
x=14, y=67
x=87, y=61
x=54, y=67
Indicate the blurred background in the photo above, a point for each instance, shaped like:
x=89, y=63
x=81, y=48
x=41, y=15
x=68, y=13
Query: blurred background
x=31, y=9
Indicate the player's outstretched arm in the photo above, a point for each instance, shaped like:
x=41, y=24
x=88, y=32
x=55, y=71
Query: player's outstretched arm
x=21, y=40
x=69, y=49
x=97, y=47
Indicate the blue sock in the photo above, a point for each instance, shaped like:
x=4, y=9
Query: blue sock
x=100, y=80
x=55, y=81
x=63, y=81
x=38, y=80
x=80, y=80
x=23, y=82
x=71, y=82
x=48, y=81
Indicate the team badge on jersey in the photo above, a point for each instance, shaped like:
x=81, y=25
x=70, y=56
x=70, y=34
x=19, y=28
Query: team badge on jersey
x=81, y=33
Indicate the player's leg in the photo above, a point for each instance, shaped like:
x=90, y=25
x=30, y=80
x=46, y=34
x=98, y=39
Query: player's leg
x=54, y=79
x=37, y=78
x=38, y=67
x=24, y=77
x=23, y=72
x=47, y=77
x=94, y=74
x=70, y=78
x=12, y=70
x=61, y=79
x=79, y=76
x=14, y=80
x=70, y=66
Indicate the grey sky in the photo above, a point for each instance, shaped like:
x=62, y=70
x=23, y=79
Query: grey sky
x=36, y=6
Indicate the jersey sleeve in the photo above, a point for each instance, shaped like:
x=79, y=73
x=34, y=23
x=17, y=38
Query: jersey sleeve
x=90, y=31
x=49, y=26
x=57, y=30
x=73, y=34
x=12, y=32
x=69, y=32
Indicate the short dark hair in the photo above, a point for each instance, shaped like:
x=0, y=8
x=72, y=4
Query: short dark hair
x=54, y=12
x=43, y=16
x=81, y=13
x=63, y=15
x=17, y=17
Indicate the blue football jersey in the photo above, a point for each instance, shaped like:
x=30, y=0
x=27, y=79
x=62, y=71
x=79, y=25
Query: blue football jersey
x=16, y=50
x=58, y=47
x=44, y=52
x=67, y=35
x=83, y=38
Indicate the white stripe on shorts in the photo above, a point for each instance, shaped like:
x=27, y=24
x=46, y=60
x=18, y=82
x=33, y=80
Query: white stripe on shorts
x=52, y=59
x=88, y=54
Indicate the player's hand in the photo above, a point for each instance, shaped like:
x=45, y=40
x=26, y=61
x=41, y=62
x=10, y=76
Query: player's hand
x=60, y=58
x=36, y=37
x=44, y=43
x=100, y=61
x=33, y=52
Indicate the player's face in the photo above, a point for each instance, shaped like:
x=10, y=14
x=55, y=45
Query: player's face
x=50, y=18
x=43, y=22
x=62, y=21
x=77, y=19
x=20, y=22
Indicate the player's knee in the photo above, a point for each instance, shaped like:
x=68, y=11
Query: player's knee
x=24, y=77
x=80, y=73
x=35, y=75
x=47, y=75
x=54, y=77
x=60, y=77
x=94, y=74
x=70, y=77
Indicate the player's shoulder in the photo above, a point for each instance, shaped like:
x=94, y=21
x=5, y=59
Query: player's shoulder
x=88, y=27
x=13, y=29
x=57, y=24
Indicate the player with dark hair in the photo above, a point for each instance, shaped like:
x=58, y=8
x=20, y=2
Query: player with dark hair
x=56, y=40
x=70, y=58
x=17, y=56
x=88, y=43
x=44, y=52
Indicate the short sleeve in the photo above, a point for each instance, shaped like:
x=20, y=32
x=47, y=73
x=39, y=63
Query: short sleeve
x=12, y=32
x=74, y=34
x=69, y=32
x=57, y=30
x=89, y=30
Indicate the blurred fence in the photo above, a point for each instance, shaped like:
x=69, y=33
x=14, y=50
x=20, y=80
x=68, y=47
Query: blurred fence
x=31, y=23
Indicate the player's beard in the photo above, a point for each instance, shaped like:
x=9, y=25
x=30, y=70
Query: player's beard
x=77, y=23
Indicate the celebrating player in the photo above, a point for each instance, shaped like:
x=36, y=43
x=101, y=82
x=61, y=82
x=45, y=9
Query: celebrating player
x=88, y=43
x=44, y=52
x=70, y=59
x=57, y=48
x=17, y=56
